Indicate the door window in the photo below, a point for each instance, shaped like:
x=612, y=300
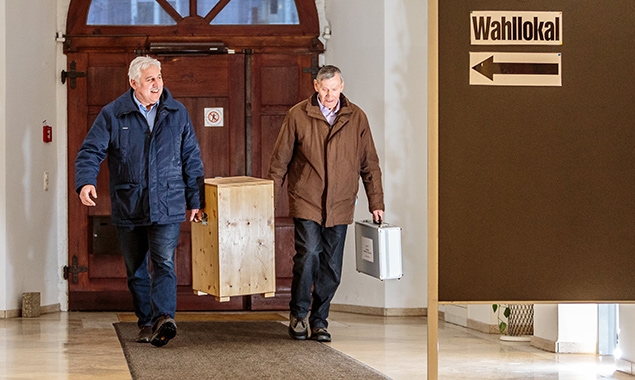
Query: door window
x=159, y=12
x=257, y=12
x=132, y=12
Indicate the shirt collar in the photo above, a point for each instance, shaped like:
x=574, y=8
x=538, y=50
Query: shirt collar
x=326, y=111
x=142, y=108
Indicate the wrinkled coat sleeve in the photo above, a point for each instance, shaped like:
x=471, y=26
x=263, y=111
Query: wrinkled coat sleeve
x=282, y=153
x=370, y=170
x=193, y=174
x=92, y=152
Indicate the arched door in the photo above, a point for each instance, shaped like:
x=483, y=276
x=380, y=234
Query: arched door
x=252, y=59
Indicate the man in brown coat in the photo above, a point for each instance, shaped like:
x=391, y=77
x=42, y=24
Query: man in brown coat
x=323, y=148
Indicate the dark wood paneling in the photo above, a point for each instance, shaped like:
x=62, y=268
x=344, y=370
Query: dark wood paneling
x=121, y=300
x=216, y=143
x=271, y=99
x=270, y=129
x=77, y=213
x=279, y=85
x=107, y=83
x=197, y=76
x=100, y=266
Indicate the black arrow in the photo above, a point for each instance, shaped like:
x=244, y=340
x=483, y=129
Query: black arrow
x=489, y=68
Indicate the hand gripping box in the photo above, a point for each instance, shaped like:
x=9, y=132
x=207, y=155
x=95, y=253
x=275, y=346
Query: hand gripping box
x=378, y=247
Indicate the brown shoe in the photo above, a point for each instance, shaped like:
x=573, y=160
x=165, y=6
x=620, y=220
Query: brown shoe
x=164, y=330
x=298, y=329
x=145, y=334
x=320, y=334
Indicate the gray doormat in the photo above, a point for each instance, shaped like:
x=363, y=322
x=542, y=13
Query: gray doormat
x=234, y=351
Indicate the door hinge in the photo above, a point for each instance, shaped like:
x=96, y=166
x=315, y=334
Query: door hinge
x=313, y=69
x=72, y=74
x=74, y=270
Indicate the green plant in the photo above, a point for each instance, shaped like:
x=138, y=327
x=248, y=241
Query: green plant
x=502, y=325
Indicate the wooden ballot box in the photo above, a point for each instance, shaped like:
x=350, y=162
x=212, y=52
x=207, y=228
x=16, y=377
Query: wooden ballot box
x=233, y=251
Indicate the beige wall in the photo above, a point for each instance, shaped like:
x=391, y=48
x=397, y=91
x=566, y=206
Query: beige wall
x=32, y=215
x=382, y=53
x=627, y=337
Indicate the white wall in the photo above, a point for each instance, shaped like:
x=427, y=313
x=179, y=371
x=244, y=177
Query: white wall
x=31, y=251
x=3, y=161
x=484, y=313
x=406, y=142
x=626, y=338
x=380, y=45
x=546, y=322
x=577, y=328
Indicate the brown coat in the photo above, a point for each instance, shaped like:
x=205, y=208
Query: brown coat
x=322, y=165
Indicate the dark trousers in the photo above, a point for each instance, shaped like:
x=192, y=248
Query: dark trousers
x=153, y=293
x=318, y=263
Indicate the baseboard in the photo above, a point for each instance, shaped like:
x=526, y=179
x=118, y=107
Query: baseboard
x=562, y=347
x=482, y=327
x=380, y=311
x=17, y=313
x=543, y=344
x=50, y=308
x=11, y=313
x=625, y=366
x=575, y=348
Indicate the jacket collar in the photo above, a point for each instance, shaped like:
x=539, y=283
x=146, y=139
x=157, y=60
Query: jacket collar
x=313, y=110
x=313, y=107
x=125, y=104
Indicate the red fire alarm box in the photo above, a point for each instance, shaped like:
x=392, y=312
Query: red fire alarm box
x=47, y=133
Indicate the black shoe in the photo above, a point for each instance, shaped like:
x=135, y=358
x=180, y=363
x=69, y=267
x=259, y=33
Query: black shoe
x=320, y=334
x=164, y=330
x=298, y=329
x=145, y=334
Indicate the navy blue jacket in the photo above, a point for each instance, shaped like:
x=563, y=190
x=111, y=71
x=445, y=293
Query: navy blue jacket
x=154, y=176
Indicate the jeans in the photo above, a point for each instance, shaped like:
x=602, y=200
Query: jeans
x=318, y=263
x=153, y=291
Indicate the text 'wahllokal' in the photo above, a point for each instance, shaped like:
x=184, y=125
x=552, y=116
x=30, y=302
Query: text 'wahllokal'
x=515, y=29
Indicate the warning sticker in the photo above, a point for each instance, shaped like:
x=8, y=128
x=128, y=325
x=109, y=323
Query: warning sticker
x=214, y=117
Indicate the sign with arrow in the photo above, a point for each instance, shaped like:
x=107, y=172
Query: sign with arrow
x=515, y=69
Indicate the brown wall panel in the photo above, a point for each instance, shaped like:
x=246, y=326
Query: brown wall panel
x=537, y=184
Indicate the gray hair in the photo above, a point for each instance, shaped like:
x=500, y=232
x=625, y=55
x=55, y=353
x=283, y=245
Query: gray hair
x=141, y=63
x=328, y=72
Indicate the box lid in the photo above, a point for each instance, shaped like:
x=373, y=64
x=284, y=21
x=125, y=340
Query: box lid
x=237, y=180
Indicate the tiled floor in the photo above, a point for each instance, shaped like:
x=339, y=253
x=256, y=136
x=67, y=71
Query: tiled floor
x=84, y=346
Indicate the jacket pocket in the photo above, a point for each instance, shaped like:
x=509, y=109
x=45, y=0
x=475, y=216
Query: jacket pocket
x=300, y=185
x=128, y=202
x=176, y=197
x=124, y=137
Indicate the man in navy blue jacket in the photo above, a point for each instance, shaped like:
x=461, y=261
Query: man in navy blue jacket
x=156, y=173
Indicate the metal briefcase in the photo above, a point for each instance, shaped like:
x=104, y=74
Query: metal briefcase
x=378, y=248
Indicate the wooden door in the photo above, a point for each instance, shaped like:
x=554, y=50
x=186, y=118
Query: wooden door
x=263, y=71
x=214, y=81
x=278, y=82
